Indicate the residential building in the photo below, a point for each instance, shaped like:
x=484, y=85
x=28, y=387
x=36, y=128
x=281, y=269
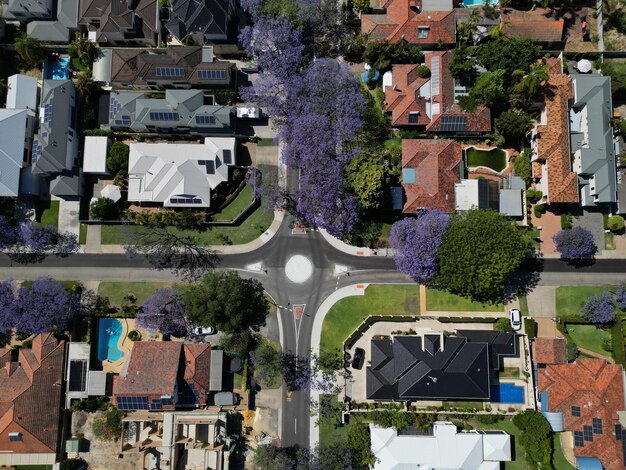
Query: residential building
x=122, y=22
x=197, y=439
x=179, y=175
x=550, y=141
x=31, y=386
x=539, y=24
x=17, y=127
x=487, y=194
x=408, y=20
x=202, y=20
x=174, y=67
x=46, y=20
x=549, y=351
x=95, y=154
x=592, y=140
x=585, y=398
x=185, y=376
x=428, y=102
x=80, y=381
x=181, y=111
x=443, y=447
x=430, y=169
x=436, y=367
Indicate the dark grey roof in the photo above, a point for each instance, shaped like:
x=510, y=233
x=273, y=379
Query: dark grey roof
x=500, y=344
x=67, y=184
x=208, y=18
x=428, y=367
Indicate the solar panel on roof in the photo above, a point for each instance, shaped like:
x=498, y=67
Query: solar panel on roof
x=588, y=433
x=170, y=72
x=211, y=74
x=575, y=411
x=155, y=404
x=205, y=119
x=453, y=123
x=210, y=167
x=618, y=432
x=78, y=376
x=578, y=439
x=163, y=116
x=132, y=403
x=597, y=425
x=228, y=157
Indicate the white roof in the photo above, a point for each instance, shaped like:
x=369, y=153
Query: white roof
x=160, y=172
x=95, y=154
x=446, y=448
x=22, y=92
x=466, y=195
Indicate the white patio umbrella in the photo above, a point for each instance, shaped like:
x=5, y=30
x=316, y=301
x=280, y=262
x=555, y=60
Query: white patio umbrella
x=584, y=66
x=112, y=192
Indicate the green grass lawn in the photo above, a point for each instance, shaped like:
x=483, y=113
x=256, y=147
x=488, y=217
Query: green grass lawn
x=589, y=337
x=237, y=205
x=67, y=285
x=116, y=291
x=494, y=158
x=266, y=142
x=348, y=313
x=558, y=459
x=250, y=229
x=82, y=234
x=509, y=373
x=519, y=453
x=47, y=213
x=570, y=300
x=523, y=305
x=441, y=301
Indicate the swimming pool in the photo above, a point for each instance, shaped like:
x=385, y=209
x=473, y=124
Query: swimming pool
x=473, y=3
x=507, y=393
x=494, y=158
x=109, y=332
x=57, y=68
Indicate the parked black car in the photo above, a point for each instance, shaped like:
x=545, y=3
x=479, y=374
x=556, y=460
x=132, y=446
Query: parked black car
x=357, y=360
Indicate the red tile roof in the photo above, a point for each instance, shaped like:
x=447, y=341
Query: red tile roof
x=437, y=164
x=477, y=121
x=596, y=387
x=198, y=366
x=30, y=396
x=401, y=21
x=550, y=351
x=537, y=24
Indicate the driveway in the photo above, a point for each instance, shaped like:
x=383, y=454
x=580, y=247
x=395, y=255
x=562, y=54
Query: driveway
x=69, y=216
x=542, y=302
x=593, y=222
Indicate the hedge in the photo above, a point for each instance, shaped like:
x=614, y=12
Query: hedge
x=370, y=320
x=617, y=341
x=467, y=320
x=566, y=222
x=530, y=326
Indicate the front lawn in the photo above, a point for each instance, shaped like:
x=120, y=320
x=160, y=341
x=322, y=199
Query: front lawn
x=236, y=206
x=47, y=213
x=441, y=301
x=523, y=305
x=348, y=313
x=558, y=459
x=589, y=337
x=116, y=291
x=570, y=300
x=82, y=234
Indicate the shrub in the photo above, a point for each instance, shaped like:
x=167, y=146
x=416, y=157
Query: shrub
x=538, y=210
x=488, y=419
x=530, y=326
x=566, y=222
x=423, y=71
x=117, y=157
x=134, y=335
x=107, y=427
x=504, y=325
x=615, y=223
x=607, y=344
x=104, y=208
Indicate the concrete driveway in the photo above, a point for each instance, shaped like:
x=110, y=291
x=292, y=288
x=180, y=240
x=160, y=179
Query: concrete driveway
x=542, y=302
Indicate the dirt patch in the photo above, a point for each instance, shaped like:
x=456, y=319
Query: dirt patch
x=574, y=33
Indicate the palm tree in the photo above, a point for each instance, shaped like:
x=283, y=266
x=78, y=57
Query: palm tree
x=533, y=82
x=29, y=49
x=84, y=83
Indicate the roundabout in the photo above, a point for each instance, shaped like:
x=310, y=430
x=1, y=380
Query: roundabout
x=298, y=269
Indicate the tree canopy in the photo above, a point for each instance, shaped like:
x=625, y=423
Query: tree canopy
x=226, y=301
x=117, y=157
x=535, y=437
x=508, y=54
x=480, y=249
x=513, y=124
x=163, y=311
x=599, y=309
x=368, y=178
x=575, y=244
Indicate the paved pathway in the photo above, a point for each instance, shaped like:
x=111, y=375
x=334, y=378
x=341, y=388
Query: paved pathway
x=69, y=216
x=542, y=302
x=94, y=239
x=589, y=352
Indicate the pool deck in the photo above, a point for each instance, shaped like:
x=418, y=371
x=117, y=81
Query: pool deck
x=126, y=345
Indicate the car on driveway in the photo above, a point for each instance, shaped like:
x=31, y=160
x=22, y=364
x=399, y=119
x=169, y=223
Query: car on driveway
x=204, y=330
x=516, y=319
x=357, y=360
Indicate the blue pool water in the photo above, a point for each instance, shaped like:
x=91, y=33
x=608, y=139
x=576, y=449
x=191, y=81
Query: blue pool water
x=109, y=332
x=57, y=68
x=473, y=3
x=507, y=393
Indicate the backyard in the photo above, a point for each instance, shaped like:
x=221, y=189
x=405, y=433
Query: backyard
x=117, y=291
x=348, y=313
x=494, y=158
x=589, y=337
x=441, y=301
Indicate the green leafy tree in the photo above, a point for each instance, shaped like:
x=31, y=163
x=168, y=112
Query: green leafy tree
x=535, y=437
x=360, y=5
x=376, y=123
x=29, y=49
x=360, y=445
x=479, y=250
x=240, y=342
x=504, y=325
x=522, y=166
x=84, y=50
x=107, y=427
x=382, y=54
x=489, y=90
x=531, y=85
x=508, y=55
x=117, y=157
x=368, y=178
x=227, y=301
x=513, y=124
x=104, y=208
x=617, y=72
x=352, y=46
x=461, y=62
x=267, y=363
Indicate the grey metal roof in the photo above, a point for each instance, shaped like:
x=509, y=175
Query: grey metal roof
x=216, y=371
x=22, y=92
x=12, y=135
x=511, y=202
x=67, y=184
x=46, y=24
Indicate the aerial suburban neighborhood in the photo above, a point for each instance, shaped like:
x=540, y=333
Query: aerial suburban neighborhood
x=312, y=235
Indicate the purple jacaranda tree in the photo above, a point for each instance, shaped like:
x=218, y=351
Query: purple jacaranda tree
x=163, y=311
x=599, y=309
x=29, y=242
x=253, y=179
x=250, y=6
x=620, y=296
x=9, y=234
x=303, y=373
x=35, y=236
x=575, y=244
x=7, y=306
x=45, y=306
x=416, y=243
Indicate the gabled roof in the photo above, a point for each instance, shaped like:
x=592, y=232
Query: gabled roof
x=129, y=19
x=30, y=396
x=436, y=167
x=206, y=17
x=550, y=351
x=538, y=24
x=596, y=389
x=478, y=121
x=12, y=135
x=402, y=21
x=22, y=92
x=46, y=20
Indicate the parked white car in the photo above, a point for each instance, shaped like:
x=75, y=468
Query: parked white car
x=516, y=319
x=204, y=330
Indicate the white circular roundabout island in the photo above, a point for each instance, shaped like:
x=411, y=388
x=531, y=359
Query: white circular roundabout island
x=299, y=269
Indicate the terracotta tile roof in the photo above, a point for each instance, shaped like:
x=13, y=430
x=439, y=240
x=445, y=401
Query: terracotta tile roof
x=437, y=164
x=30, y=401
x=198, y=367
x=553, y=137
x=536, y=24
x=550, y=351
x=401, y=21
x=477, y=121
x=597, y=389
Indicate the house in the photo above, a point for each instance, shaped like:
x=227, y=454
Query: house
x=179, y=175
x=196, y=439
x=430, y=169
x=80, y=381
x=487, y=194
x=585, y=398
x=46, y=20
x=95, y=154
x=181, y=111
x=122, y=22
x=539, y=24
x=182, y=378
x=428, y=102
x=30, y=402
x=17, y=126
x=442, y=447
x=436, y=367
x=550, y=351
x=592, y=140
x=202, y=20
x=551, y=158
x=410, y=21
x=174, y=67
